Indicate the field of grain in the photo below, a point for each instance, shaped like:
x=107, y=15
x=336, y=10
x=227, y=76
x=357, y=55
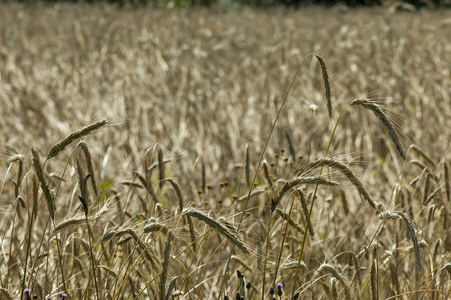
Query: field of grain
x=156, y=154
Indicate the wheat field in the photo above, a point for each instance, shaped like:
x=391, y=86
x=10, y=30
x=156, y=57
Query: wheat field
x=188, y=154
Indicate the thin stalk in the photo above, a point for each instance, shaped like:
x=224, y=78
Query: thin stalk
x=60, y=257
x=30, y=229
x=266, y=257
x=93, y=267
x=13, y=227
x=301, y=252
x=363, y=257
x=6, y=280
x=283, y=241
x=35, y=262
x=414, y=293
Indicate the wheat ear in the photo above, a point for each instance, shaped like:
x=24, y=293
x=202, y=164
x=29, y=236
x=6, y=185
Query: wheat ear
x=266, y=173
x=20, y=158
x=148, y=184
x=287, y=218
x=326, y=84
x=69, y=222
x=44, y=187
x=305, y=210
x=409, y=226
x=329, y=269
x=154, y=226
x=386, y=122
x=219, y=226
x=447, y=186
x=298, y=181
x=373, y=276
x=347, y=173
x=62, y=144
x=247, y=167
x=160, y=167
x=204, y=178
x=171, y=288
x=290, y=145
x=164, y=272
x=180, y=200
x=88, y=159
x=429, y=162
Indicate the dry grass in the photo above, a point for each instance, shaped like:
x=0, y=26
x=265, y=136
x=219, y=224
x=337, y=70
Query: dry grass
x=186, y=101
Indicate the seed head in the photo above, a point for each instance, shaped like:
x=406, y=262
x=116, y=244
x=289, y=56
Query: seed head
x=271, y=291
x=279, y=290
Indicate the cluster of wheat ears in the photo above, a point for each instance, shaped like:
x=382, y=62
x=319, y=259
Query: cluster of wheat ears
x=282, y=206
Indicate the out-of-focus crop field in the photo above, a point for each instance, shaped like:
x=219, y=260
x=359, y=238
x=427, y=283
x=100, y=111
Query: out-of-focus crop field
x=155, y=172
